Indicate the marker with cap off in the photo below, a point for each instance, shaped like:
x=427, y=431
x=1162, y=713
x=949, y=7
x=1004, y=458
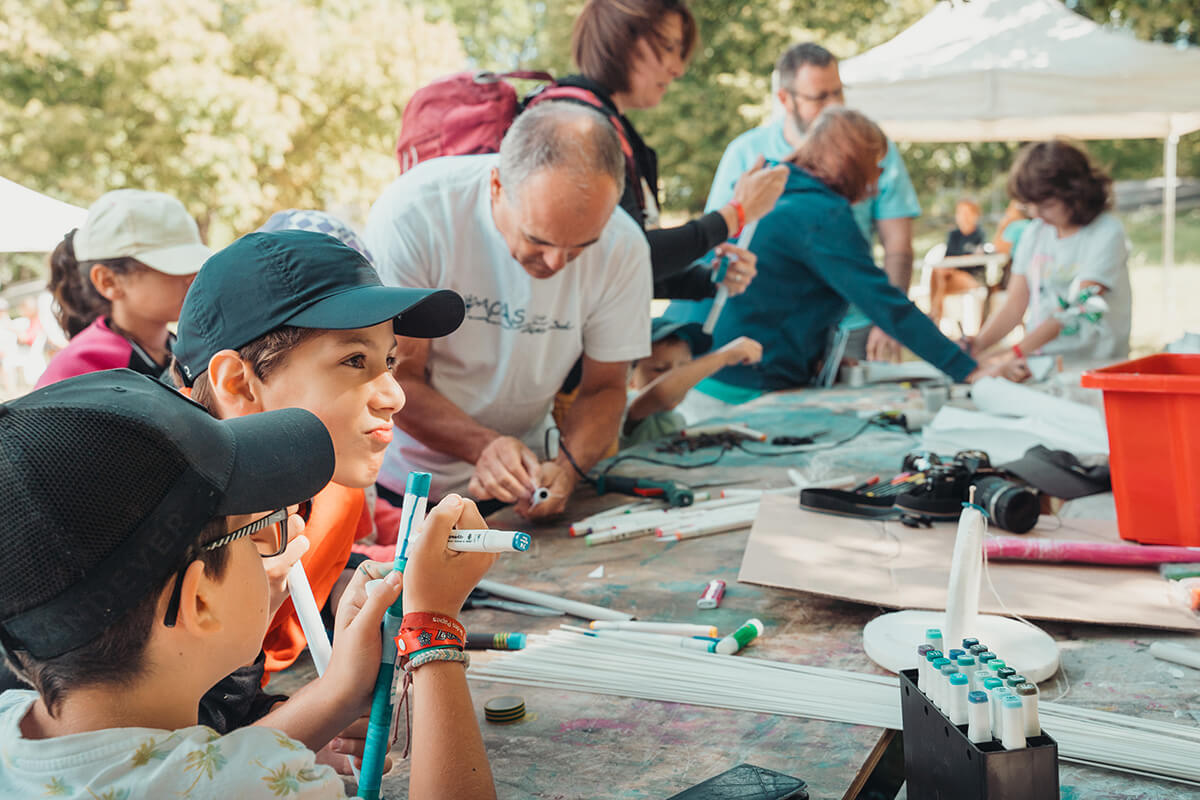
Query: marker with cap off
x=488, y=541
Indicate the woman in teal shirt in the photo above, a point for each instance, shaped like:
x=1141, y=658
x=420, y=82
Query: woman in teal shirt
x=813, y=263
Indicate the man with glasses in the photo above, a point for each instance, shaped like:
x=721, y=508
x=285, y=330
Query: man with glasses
x=806, y=80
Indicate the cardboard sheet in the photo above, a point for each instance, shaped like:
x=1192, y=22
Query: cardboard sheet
x=888, y=564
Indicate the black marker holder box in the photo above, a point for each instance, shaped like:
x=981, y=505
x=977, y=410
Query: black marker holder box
x=941, y=763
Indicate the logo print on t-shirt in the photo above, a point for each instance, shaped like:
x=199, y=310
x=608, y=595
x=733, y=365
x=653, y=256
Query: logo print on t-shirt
x=497, y=312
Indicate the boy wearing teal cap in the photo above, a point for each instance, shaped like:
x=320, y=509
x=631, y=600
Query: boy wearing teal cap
x=297, y=319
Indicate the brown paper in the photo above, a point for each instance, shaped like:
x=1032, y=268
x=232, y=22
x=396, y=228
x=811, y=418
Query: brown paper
x=888, y=564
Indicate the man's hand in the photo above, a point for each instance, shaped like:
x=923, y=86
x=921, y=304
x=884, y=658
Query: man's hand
x=881, y=347
x=561, y=483
x=742, y=267
x=742, y=350
x=506, y=471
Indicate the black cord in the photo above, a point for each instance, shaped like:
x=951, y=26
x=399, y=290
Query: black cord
x=570, y=458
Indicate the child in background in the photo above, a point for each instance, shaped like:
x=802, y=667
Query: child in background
x=964, y=239
x=119, y=279
x=165, y=592
x=296, y=319
x=658, y=384
x=1073, y=250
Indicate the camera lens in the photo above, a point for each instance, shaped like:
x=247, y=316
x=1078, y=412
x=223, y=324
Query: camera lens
x=1010, y=506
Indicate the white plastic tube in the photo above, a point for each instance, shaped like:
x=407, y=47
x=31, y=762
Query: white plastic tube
x=310, y=617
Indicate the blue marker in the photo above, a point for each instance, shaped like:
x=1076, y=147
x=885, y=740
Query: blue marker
x=379, y=727
x=955, y=653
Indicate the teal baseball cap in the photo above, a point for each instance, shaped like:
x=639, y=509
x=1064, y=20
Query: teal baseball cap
x=302, y=279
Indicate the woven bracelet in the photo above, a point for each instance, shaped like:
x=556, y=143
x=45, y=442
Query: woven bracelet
x=436, y=654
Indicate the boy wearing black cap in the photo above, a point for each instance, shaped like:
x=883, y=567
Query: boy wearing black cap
x=658, y=384
x=297, y=319
x=162, y=516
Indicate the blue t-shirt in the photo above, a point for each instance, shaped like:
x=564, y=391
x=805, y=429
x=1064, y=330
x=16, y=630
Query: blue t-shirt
x=812, y=265
x=895, y=198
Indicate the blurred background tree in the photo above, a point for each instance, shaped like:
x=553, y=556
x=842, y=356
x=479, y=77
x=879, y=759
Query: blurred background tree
x=244, y=107
x=236, y=107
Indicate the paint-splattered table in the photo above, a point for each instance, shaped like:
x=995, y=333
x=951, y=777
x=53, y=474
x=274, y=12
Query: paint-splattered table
x=579, y=745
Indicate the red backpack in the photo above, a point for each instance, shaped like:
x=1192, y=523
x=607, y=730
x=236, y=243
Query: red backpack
x=468, y=113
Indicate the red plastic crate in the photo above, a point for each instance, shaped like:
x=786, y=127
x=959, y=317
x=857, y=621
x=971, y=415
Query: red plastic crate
x=1152, y=407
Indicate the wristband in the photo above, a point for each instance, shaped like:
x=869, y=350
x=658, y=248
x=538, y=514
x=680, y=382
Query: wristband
x=741, y=218
x=420, y=631
x=1017, y=349
x=439, y=654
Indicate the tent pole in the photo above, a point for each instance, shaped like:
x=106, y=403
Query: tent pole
x=1170, y=147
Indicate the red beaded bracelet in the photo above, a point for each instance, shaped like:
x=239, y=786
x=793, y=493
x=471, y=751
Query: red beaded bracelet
x=1017, y=349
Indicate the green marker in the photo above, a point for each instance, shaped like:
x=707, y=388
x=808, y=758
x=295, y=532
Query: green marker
x=743, y=636
x=1177, y=572
x=995, y=665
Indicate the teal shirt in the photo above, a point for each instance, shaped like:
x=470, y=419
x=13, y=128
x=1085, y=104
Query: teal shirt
x=895, y=198
x=812, y=264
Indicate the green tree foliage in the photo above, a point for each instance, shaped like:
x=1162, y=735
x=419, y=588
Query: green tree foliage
x=237, y=107
x=726, y=87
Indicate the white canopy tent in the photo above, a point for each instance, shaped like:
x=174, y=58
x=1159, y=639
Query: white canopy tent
x=33, y=222
x=999, y=70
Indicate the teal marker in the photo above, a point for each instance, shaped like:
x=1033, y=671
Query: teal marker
x=933, y=638
x=743, y=636
x=379, y=725
x=984, y=657
x=996, y=665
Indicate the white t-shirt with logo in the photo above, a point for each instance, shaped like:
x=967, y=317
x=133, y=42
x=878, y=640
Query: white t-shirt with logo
x=1096, y=252
x=433, y=228
x=196, y=762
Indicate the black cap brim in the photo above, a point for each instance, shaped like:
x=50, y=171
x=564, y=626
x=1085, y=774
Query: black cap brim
x=281, y=458
x=419, y=313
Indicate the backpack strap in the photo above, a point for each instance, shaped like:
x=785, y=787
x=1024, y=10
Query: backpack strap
x=584, y=97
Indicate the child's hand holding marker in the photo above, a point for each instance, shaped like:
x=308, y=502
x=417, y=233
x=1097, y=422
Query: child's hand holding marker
x=438, y=579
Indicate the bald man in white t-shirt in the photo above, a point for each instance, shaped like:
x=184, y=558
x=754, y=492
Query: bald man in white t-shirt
x=551, y=271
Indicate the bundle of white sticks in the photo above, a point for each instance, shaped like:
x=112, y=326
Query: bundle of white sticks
x=572, y=661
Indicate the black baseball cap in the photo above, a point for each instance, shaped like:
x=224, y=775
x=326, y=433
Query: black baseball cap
x=300, y=278
x=692, y=333
x=108, y=478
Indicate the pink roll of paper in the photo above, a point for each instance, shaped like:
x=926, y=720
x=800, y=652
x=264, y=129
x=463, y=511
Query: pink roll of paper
x=1015, y=548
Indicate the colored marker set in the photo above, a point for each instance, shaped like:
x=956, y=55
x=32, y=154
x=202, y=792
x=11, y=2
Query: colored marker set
x=971, y=727
x=686, y=636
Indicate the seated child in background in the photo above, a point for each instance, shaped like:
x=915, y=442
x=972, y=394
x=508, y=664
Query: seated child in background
x=1073, y=249
x=296, y=319
x=165, y=592
x=658, y=384
x=964, y=239
x=117, y=281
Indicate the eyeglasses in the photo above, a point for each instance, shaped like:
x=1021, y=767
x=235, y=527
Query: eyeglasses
x=270, y=537
x=833, y=94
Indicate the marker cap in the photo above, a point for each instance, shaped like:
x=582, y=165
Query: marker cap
x=986, y=656
x=992, y=683
x=957, y=679
x=1013, y=681
x=955, y=653
x=977, y=697
x=1026, y=689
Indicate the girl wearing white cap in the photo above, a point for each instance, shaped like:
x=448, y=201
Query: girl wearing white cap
x=119, y=280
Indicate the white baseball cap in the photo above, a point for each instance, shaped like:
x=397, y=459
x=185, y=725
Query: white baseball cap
x=152, y=227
